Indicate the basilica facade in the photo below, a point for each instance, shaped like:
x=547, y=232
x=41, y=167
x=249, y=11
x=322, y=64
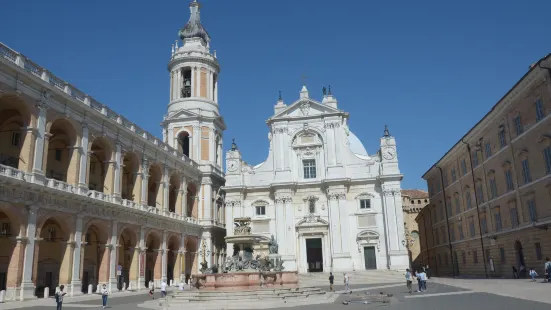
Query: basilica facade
x=88, y=198
x=330, y=205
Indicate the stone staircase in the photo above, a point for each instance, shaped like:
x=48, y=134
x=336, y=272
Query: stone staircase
x=247, y=299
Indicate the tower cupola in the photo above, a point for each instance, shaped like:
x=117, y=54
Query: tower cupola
x=194, y=29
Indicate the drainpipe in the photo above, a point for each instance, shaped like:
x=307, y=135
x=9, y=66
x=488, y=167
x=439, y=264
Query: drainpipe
x=447, y=218
x=477, y=208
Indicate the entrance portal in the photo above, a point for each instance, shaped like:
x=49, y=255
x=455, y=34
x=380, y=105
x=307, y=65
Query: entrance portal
x=370, y=258
x=314, y=255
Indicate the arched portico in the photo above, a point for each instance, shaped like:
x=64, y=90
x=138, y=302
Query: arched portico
x=95, y=259
x=153, y=261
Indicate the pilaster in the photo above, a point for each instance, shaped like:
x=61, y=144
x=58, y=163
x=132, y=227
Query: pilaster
x=38, y=158
x=145, y=180
x=83, y=165
x=164, y=257
x=117, y=177
x=27, y=285
x=76, y=284
x=113, y=257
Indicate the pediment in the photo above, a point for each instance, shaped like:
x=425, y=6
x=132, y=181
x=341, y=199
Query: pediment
x=368, y=235
x=180, y=114
x=305, y=108
x=312, y=220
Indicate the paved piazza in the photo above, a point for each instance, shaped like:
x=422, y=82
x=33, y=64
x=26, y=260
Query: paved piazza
x=441, y=294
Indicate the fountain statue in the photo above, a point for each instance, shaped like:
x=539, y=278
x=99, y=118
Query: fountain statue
x=243, y=268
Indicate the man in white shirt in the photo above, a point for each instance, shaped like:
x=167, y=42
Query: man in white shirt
x=423, y=278
x=163, y=289
x=346, y=282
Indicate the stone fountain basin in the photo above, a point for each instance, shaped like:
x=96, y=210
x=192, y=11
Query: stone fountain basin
x=245, y=280
x=246, y=239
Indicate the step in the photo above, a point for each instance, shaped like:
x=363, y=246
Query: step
x=245, y=293
x=253, y=297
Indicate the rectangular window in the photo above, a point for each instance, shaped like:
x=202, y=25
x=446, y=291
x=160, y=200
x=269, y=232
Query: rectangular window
x=454, y=177
x=514, y=217
x=518, y=125
x=309, y=168
x=15, y=138
x=488, y=254
x=460, y=229
x=484, y=223
x=493, y=188
x=468, y=200
x=475, y=257
x=502, y=140
x=5, y=231
x=449, y=207
x=457, y=205
x=464, y=258
x=58, y=154
x=365, y=203
x=502, y=255
x=539, y=254
x=442, y=213
x=488, y=149
x=547, y=157
x=452, y=231
x=475, y=158
x=260, y=210
x=471, y=227
x=479, y=192
x=532, y=210
x=497, y=219
x=445, y=177
x=526, y=176
x=464, y=167
x=509, y=180
x=540, y=114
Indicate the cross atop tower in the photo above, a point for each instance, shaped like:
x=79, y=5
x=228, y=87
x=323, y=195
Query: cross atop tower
x=304, y=78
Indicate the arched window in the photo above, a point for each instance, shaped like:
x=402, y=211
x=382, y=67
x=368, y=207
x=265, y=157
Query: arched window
x=183, y=142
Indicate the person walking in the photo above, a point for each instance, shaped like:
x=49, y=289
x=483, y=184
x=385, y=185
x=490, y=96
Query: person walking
x=515, y=272
x=59, y=297
x=163, y=289
x=423, y=277
x=419, y=285
x=346, y=283
x=331, y=280
x=533, y=274
x=104, y=294
x=547, y=268
x=408, y=280
x=151, y=290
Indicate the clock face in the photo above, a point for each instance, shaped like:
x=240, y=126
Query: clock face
x=389, y=153
x=232, y=165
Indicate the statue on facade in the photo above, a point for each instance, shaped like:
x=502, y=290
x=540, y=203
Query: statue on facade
x=273, y=247
x=324, y=91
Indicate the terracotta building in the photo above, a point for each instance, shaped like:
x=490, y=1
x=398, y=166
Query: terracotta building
x=491, y=192
x=89, y=198
x=413, y=201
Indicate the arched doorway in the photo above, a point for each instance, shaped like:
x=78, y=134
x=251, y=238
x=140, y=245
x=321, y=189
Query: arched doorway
x=153, y=258
x=191, y=245
x=14, y=117
x=130, y=187
x=128, y=258
x=100, y=169
x=153, y=185
x=184, y=142
x=173, y=191
x=96, y=256
x=10, y=270
x=54, y=257
x=519, y=254
x=60, y=151
x=191, y=201
x=172, y=270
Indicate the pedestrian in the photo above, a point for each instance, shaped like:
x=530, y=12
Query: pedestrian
x=547, y=269
x=59, y=297
x=152, y=290
x=428, y=272
x=515, y=272
x=408, y=280
x=163, y=289
x=423, y=277
x=346, y=283
x=104, y=294
x=533, y=274
x=522, y=271
x=419, y=285
x=331, y=280
x=181, y=286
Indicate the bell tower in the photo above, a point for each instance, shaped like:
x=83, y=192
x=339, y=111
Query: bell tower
x=193, y=124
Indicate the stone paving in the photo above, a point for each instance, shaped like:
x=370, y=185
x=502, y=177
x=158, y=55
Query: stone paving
x=442, y=293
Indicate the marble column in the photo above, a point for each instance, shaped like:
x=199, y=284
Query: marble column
x=83, y=165
x=145, y=181
x=198, y=82
x=113, y=257
x=182, y=258
x=280, y=221
x=117, y=179
x=27, y=285
x=141, y=261
x=164, y=257
x=194, y=82
x=207, y=188
x=38, y=158
x=76, y=284
x=216, y=91
x=334, y=223
x=166, y=185
x=184, y=204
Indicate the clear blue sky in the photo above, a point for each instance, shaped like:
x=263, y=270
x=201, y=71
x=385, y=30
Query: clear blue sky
x=428, y=69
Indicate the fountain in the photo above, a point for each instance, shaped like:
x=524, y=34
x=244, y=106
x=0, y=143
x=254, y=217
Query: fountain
x=243, y=270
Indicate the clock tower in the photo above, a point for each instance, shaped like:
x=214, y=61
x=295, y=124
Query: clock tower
x=389, y=157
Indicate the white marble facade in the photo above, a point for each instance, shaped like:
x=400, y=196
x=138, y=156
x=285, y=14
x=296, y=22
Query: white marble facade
x=318, y=182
